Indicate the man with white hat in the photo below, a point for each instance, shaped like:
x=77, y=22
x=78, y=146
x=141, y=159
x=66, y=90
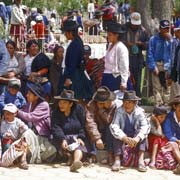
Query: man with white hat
x=136, y=40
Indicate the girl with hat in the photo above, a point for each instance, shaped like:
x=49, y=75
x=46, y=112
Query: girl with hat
x=116, y=71
x=130, y=129
x=75, y=77
x=68, y=121
x=36, y=113
x=171, y=127
x=157, y=141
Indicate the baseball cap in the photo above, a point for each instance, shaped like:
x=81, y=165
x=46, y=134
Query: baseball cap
x=135, y=18
x=14, y=83
x=164, y=24
x=87, y=49
x=10, y=108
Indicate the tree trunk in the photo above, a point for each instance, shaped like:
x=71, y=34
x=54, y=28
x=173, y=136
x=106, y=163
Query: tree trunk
x=143, y=7
x=162, y=9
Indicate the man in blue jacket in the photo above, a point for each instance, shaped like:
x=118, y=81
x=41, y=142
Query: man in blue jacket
x=158, y=61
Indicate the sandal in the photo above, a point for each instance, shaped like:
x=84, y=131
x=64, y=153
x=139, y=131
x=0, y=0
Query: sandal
x=116, y=166
x=152, y=165
x=23, y=165
x=142, y=168
x=75, y=166
x=177, y=170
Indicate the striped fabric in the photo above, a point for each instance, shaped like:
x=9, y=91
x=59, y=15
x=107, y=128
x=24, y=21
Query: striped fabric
x=95, y=69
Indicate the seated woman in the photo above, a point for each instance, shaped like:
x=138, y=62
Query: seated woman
x=171, y=130
x=16, y=62
x=37, y=67
x=36, y=113
x=68, y=128
x=130, y=129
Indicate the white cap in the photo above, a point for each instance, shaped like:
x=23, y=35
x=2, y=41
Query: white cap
x=39, y=18
x=33, y=10
x=135, y=18
x=10, y=108
x=33, y=23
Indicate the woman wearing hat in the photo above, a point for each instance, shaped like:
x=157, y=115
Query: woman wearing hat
x=74, y=76
x=171, y=128
x=68, y=130
x=130, y=129
x=116, y=72
x=37, y=115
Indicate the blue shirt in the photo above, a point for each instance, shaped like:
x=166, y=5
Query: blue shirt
x=4, y=58
x=171, y=128
x=17, y=100
x=159, y=49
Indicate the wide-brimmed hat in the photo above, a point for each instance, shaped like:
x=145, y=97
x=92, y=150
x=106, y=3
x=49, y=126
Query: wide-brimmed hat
x=103, y=94
x=115, y=28
x=160, y=110
x=10, y=108
x=36, y=89
x=176, y=100
x=67, y=95
x=98, y=13
x=130, y=96
x=135, y=18
x=69, y=25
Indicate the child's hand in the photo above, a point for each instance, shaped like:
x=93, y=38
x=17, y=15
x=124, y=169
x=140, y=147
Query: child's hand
x=81, y=142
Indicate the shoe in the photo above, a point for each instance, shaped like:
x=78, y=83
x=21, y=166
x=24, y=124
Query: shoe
x=142, y=168
x=177, y=170
x=152, y=165
x=24, y=165
x=75, y=166
x=116, y=166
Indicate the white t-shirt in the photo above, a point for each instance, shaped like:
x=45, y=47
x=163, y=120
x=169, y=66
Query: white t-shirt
x=28, y=62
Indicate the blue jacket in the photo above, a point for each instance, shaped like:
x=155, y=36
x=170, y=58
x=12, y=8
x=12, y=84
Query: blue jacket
x=159, y=49
x=171, y=128
x=17, y=99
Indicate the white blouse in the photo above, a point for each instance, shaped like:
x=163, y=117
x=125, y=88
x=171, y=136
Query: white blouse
x=117, y=62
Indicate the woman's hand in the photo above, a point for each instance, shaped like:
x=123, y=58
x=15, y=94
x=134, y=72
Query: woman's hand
x=99, y=144
x=64, y=145
x=81, y=142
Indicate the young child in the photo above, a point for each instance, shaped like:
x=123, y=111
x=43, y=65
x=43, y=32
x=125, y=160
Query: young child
x=156, y=137
x=11, y=130
x=12, y=95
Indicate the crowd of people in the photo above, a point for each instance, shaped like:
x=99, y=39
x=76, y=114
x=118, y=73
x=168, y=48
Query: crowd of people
x=69, y=107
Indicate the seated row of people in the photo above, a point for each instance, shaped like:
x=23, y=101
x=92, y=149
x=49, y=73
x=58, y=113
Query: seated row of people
x=76, y=133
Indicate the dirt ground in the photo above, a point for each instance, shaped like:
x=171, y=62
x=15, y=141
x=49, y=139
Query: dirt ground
x=93, y=172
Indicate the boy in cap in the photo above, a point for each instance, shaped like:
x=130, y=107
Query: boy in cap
x=11, y=129
x=130, y=129
x=159, y=56
x=12, y=95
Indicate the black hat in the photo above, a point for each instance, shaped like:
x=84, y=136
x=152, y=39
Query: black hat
x=98, y=13
x=36, y=89
x=87, y=49
x=164, y=24
x=69, y=25
x=160, y=110
x=67, y=95
x=115, y=28
x=176, y=100
x=130, y=96
x=103, y=94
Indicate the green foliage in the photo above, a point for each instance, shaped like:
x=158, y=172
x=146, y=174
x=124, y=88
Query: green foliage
x=177, y=5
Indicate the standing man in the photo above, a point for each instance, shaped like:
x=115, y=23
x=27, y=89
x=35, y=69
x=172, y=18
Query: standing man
x=159, y=60
x=136, y=41
x=175, y=69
